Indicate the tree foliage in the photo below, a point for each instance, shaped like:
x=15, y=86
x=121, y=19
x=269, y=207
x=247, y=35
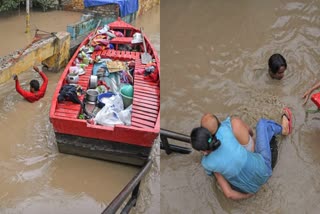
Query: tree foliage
x=46, y=4
x=6, y=5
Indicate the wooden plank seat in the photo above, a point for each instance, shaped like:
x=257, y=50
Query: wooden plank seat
x=68, y=109
x=121, y=40
x=146, y=100
x=115, y=54
x=147, y=82
x=119, y=55
x=72, y=110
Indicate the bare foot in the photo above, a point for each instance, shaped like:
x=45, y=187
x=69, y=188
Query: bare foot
x=285, y=124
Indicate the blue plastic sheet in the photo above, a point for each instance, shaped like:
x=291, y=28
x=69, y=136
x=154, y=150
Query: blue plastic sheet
x=126, y=6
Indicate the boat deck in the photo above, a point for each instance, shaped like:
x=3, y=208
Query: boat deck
x=146, y=96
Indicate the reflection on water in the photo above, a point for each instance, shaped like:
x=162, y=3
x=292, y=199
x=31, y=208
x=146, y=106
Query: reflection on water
x=34, y=177
x=214, y=59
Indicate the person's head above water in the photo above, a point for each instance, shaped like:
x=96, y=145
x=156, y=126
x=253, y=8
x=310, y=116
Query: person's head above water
x=277, y=65
x=210, y=122
x=203, y=140
x=34, y=86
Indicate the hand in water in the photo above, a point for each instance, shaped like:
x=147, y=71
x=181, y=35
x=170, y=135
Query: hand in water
x=306, y=97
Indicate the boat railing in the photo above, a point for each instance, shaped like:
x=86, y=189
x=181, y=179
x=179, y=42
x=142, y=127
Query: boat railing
x=169, y=148
x=133, y=188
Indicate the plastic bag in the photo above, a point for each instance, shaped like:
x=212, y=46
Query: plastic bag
x=117, y=102
x=125, y=115
x=113, y=81
x=107, y=116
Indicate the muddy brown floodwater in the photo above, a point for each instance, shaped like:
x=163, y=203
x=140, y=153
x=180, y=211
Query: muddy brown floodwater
x=214, y=59
x=34, y=176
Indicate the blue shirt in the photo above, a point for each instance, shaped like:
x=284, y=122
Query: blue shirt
x=243, y=169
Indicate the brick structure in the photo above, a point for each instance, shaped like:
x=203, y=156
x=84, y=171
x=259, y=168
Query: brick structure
x=109, y=10
x=77, y=5
x=145, y=5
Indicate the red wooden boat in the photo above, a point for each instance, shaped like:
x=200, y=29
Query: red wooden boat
x=126, y=144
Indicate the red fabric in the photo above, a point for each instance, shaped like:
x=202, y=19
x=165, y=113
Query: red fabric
x=316, y=99
x=154, y=76
x=32, y=97
x=100, y=82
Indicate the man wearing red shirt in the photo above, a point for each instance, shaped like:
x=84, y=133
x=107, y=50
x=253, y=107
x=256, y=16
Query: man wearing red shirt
x=36, y=92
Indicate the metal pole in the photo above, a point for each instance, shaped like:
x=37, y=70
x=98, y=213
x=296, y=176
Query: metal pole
x=175, y=148
x=28, y=17
x=175, y=135
x=121, y=197
x=132, y=201
x=169, y=148
x=165, y=144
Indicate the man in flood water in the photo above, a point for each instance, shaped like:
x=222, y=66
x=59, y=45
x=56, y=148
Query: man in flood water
x=240, y=172
x=36, y=92
x=277, y=66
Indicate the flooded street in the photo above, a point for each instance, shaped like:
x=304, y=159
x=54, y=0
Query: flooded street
x=16, y=38
x=215, y=59
x=35, y=177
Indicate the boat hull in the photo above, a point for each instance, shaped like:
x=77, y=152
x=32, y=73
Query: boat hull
x=103, y=149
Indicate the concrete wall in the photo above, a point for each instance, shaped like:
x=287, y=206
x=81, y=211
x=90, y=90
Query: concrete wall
x=52, y=52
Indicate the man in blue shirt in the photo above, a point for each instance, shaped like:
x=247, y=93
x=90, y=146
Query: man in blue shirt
x=239, y=171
